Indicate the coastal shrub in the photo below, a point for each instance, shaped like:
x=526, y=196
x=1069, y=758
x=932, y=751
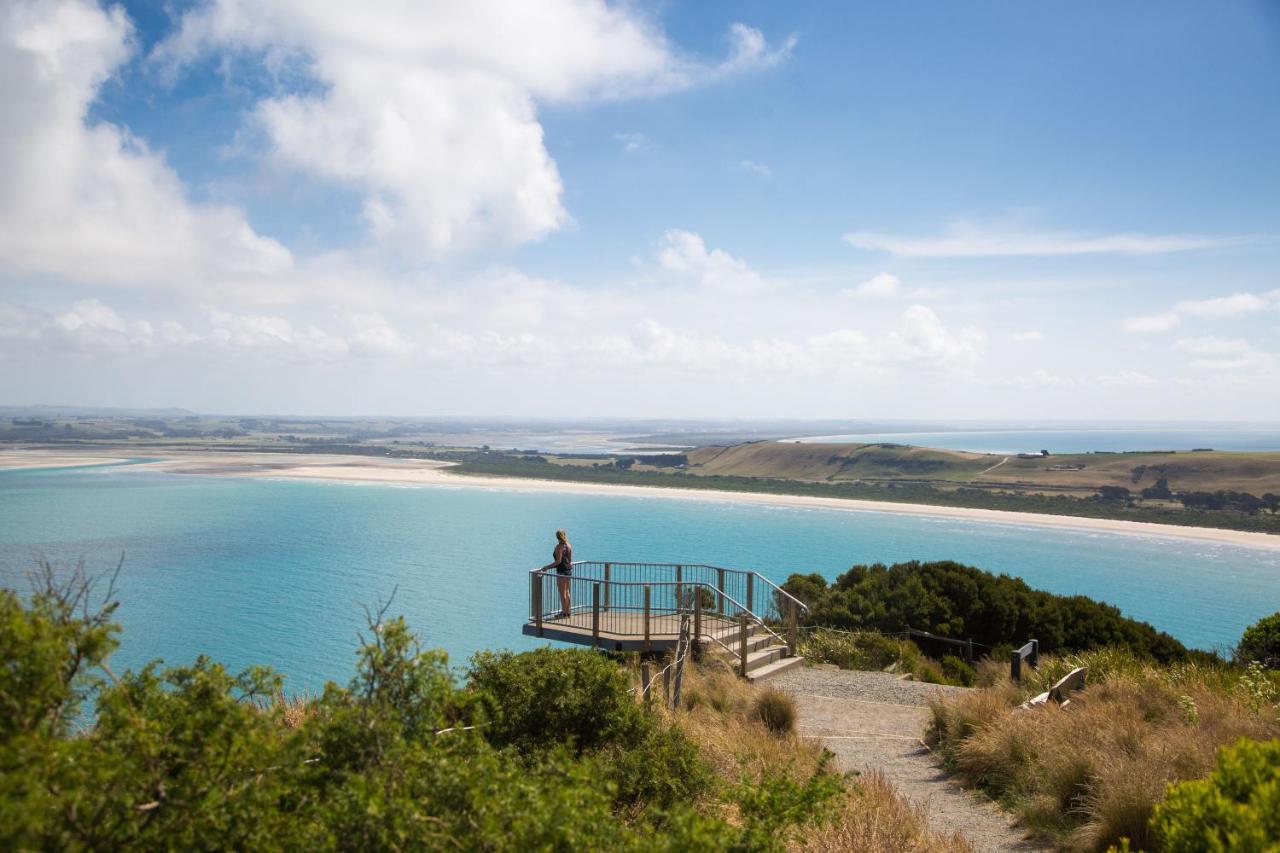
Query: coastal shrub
x=1261, y=643
x=855, y=649
x=960, y=601
x=958, y=671
x=1094, y=772
x=538, y=699
x=776, y=709
x=1237, y=808
x=660, y=772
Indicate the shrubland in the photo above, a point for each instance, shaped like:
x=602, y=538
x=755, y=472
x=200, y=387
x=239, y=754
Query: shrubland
x=551, y=750
x=1094, y=772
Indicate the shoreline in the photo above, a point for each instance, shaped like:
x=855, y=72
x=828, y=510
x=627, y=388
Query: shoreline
x=427, y=473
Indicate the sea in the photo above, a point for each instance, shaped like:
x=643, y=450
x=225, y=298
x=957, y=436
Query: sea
x=278, y=572
x=1083, y=440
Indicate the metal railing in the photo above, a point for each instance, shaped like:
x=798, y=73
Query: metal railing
x=642, y=600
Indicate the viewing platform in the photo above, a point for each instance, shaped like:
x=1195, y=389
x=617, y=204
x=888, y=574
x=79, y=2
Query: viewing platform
x=645, y=607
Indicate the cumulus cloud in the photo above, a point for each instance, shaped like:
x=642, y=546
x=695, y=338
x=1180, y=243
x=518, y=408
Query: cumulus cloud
x=685, y=252
x=632, y=143
x=755, y=168
x=972, y=240
x=1216, y=308
x=880, y=286
x=88, y=201
x=430, y=109
x=1228, y=354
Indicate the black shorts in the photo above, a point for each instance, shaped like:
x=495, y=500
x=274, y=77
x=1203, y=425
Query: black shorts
x=561, y=570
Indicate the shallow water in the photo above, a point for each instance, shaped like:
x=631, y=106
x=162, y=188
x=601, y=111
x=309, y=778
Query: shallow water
x=273, y=571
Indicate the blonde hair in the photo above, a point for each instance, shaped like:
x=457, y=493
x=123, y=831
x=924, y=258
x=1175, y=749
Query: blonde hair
x=562, y=536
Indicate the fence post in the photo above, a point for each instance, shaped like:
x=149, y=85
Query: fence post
x=595, y=615
x=1035, y=654
x=720, y=586
x=679, y=588
x=606, y=585
x=968, y=650
x=646, y=617
x=535, y=593
x=1015, y=665
x=792, y=628
x=697, y=612
x=646, y=682
x=742, y=646
x=751, y=577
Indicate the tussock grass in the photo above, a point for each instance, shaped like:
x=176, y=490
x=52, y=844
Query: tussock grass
x=1091, y=773
x=876, y=819
x=776, y=709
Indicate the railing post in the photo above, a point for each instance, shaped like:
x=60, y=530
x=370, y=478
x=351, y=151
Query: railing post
x=1034, y=659
x=679, y=588
x=1015, y=664
x=606, y=585
x=720, y=586
x=751, y=577
x=792, y=628
x=595, y=615
x=742, y=647
x=968, y=650
x=646, y=617
x=697, y=612
x=646, y=680
x=535, y=596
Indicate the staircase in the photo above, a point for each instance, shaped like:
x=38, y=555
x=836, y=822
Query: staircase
x=766, y=655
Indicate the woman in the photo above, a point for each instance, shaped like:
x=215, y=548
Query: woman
x=562, y=562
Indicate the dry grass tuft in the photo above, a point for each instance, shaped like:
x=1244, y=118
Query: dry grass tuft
x=1092, y=772
x=875, y=818
x=776, y=709
x=292, y=711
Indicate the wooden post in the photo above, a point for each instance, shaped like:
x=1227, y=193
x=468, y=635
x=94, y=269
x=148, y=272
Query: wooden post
x=646, y=617
x=1015, y=665
x=535, y=593
x=666, y=685
x=751, y=576
x=720, y=586
x=742, y=646
x=679, y=588
x=606, y=585
x=646, y=683
x=968, y=650
x=792, y=628
x=1034, y=658
x=697, y=613
x=595, y=615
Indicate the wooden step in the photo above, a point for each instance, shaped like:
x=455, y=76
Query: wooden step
x=764, y=657
x=772, y=669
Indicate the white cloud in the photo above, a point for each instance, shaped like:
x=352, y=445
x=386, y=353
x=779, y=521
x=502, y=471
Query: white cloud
x=1030, y=336
x=880, y=286
x=685, y=252
x=969, y=240
x=89, y=201
x=1125, y=379
x=756, y=168
x=1228, y=354
x=632, y=143
x=1221, y=307
x=1153, y=322
x=430, y=109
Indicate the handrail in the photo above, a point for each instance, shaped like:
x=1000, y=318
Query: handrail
x=777, y=588
x=744, y=572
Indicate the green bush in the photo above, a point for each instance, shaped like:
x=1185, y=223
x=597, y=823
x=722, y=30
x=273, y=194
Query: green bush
x=1261, y=643
x=958, y=671
x=536, y=700
x=661, y=772
x=960, y=601
x=1236, y=809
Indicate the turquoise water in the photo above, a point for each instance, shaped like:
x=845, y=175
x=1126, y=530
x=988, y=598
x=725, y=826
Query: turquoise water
x=266, y=571
x=1074, y=440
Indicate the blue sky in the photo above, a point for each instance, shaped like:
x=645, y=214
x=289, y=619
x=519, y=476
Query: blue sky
x=929, y=210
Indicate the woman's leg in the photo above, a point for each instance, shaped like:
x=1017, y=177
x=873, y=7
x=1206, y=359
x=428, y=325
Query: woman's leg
x=563, y=582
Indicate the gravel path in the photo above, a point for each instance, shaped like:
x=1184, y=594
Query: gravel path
x=874, y=721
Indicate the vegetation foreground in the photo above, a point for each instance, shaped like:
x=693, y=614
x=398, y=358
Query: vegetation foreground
x=548, y=750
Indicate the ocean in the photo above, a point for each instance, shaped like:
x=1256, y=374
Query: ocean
x=277, y=572
x=1073, y=440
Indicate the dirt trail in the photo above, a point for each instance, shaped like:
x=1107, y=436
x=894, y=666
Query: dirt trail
x=871, y=720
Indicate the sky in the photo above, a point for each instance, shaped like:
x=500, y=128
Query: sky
x=574, y=208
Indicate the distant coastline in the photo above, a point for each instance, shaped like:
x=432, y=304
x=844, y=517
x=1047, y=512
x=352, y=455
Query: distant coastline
x=430, y=473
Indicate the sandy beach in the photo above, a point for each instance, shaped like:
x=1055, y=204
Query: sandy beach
x=365, y=469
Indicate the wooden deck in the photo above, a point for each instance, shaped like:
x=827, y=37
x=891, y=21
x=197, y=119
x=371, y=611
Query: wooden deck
x=623, y=631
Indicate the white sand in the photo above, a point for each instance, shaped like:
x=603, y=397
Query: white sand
x=12, y=460
x=436, y=474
